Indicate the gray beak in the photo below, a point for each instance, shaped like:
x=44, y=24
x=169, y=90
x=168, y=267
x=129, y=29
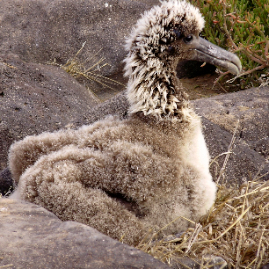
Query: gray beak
x=210, y=53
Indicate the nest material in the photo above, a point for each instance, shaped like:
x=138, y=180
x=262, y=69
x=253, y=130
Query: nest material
x=236, y=229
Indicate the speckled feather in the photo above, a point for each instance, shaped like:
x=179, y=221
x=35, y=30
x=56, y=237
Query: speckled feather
x=153, y=86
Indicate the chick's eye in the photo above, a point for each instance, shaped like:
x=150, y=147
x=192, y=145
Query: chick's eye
x=188, y=39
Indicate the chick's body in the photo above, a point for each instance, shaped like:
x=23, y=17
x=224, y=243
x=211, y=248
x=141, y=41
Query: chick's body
x=119, y=176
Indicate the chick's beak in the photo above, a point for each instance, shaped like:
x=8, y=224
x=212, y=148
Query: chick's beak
x=205, y=51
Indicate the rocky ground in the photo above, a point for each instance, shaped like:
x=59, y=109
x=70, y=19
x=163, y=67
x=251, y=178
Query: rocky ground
x=37, y=95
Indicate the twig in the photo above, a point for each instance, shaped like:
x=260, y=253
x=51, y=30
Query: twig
x=219, y=78
x=198, y=228
x=214, y=160
x=259, y=249
x=254, y=57
x=228, y=153
x=266, y=50
x=246, y=73
x=226, y=29
x=222, y=87
x=228, y=229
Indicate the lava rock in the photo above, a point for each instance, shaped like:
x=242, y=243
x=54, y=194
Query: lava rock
x=37, y=98
x=250, y=108
x=6, y=182
x=32, y=237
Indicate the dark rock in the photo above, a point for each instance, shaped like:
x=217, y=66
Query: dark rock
x=43, y=30
x=250, y=107
x=243, y=164
x=191, y=69
x=118, y=105
x=209, y=261
x=32, y=237
x=38, y=98
x=214, y=262
x=262, y=146
x=6, y=182
x=6, y=139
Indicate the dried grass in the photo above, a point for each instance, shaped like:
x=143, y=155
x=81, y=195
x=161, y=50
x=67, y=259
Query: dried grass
x=89, y=69
x=236, y=229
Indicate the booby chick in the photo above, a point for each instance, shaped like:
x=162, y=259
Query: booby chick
x=123, y=177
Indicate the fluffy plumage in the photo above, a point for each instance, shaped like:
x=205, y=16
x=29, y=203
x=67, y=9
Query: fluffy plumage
x=123, y=177
x=153, y=57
